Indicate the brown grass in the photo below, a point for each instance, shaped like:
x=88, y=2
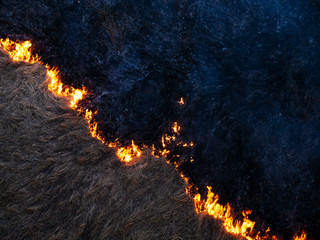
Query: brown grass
x=56, y=182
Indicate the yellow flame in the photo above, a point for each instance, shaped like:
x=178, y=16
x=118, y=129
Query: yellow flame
x=126, y=154
x=55, y=84
x=212, y=207
x=176, y=128
x=19, y=52
x=303, y=236
x=181, y=101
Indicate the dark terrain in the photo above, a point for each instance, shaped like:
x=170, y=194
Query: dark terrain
x=248, y=71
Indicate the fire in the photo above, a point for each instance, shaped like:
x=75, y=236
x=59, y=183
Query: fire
x=303, y=236
x=210, y=205
x=126, y=154
x=57, y=87
x=22, y=52
x=92, y=124
x=19, y=52
x=181, y=101
x=77, y=95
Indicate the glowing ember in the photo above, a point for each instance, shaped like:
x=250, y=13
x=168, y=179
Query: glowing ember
x=243, y=227
x=211, y=206
x=126, y=154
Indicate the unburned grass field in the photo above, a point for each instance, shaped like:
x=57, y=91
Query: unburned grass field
x=57, y=182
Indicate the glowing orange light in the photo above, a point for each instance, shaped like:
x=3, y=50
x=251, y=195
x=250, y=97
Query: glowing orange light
x=303, y=236
x=19, y=52
x=211, y=206
x=126, y=154
x=181, y=101
x=176, y=128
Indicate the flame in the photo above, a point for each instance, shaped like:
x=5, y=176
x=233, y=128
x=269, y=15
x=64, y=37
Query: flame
x=55, y=84
x=57, y=87
x=210, y=205
x=126, y=154
x=303, y=236
x=93, y=126
x=176, y=128
x=181, y=101
x=22, y=52
x=19, y=52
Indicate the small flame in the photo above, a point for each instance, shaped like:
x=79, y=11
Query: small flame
x=126, y=154
x=303, y=236
x=181, y=101
x=57, y=87
x=55, y=84
x=176, y=128
x=211, y=206
x=22, y=52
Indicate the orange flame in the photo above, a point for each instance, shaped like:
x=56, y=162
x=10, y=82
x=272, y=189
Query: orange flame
x=22, y=52
x=126, y=154
x=303, y=236
x=176, y=128
x=181, y=101
x=19, y=52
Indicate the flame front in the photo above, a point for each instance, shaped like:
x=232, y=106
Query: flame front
x=19, y=52
x=210, y=205
x=22, y=52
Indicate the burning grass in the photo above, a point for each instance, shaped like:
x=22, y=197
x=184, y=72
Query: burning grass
x=57, y=182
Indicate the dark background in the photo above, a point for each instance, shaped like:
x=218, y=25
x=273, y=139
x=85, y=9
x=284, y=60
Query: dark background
x=248, y=71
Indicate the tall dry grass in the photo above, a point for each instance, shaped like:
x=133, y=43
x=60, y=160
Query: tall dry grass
x=56, y=182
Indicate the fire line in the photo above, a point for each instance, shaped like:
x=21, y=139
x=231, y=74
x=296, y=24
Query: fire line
x=207, y=204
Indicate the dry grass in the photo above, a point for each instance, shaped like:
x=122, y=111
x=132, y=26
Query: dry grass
x=57, y=182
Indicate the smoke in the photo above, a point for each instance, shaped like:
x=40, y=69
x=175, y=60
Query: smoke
x=248, y=71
